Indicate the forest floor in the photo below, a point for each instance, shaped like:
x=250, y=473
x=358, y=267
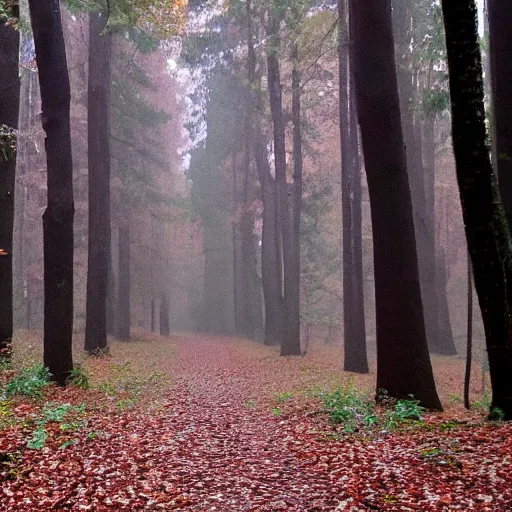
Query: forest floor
x=219, y=424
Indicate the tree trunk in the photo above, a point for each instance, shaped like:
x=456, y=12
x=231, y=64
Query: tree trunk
x=98, y=151
x=500, y=51
x=487, y=230
x=444, y=327
x=271, y=269
x=9, y=109
x=270, y=249
x=403, y=363
x=354, y=337
x=164, y=315
x=123, y=319
x=58, y=216
x=290, y=344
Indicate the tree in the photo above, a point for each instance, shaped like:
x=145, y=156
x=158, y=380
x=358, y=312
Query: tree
x=58, y=215
x=500, y=51
x=9, y=108
x=487, y=230
x=354, y=337
x=403, y=364
x=98, y=151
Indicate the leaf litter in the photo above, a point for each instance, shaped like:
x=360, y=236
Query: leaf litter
x=235, y=428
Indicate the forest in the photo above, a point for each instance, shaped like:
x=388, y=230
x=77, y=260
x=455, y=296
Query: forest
x=255, y=255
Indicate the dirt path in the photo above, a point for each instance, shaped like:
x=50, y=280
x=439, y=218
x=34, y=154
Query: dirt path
x=220, y=440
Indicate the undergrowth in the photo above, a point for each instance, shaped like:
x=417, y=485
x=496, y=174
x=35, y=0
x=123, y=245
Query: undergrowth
x=354, y=410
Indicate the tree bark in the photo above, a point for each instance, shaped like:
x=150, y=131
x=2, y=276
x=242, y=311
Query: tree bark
x=98, y=151
x=500, y=52
x=487, y=229
x=354, y=337
x=123, y=319
x=58, y=215
x=403, y=363
x=9, y=110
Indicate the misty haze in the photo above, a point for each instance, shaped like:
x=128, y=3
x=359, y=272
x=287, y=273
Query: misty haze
x=255, y=255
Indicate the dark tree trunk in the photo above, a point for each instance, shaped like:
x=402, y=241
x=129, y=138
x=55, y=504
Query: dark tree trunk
x=354, y=337
x=500, y=46
x=98, y=150
x=290, y=344
x=58, y=216
x=123, y=319
x=165, y=329
x=9, y=109
x=469, y=341
x=403, y=363
x=487, y=230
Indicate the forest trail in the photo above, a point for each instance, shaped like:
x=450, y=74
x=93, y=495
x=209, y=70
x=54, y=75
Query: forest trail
x=230, y=432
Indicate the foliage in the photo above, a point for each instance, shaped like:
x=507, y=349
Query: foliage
x=163, y=18
x=354, y=410
x=349, y=407
x=79, y=377
x=29, y=381
x=56, y=413
x=8, y=139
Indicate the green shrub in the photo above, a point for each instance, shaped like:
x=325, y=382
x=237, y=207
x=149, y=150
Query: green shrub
x=29, y=381
x=354, y=410
x=349, y=407
x=79, y=378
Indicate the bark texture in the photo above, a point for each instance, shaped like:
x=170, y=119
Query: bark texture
x=500, y=52
x=98, y=151
x=403, y=364
x=9, y=109
x=487, y=230
x=58, y=215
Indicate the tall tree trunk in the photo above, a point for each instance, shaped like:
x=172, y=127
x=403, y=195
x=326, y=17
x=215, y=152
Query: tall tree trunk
x=98, y=151
x=271, y=269
x=485, y=221
x=9, y=109
x=58, y=215
x=123, y=317
x=403, y=363
x=354, y=337
x=290, y=344
x=500, y=46
x=270, y=249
